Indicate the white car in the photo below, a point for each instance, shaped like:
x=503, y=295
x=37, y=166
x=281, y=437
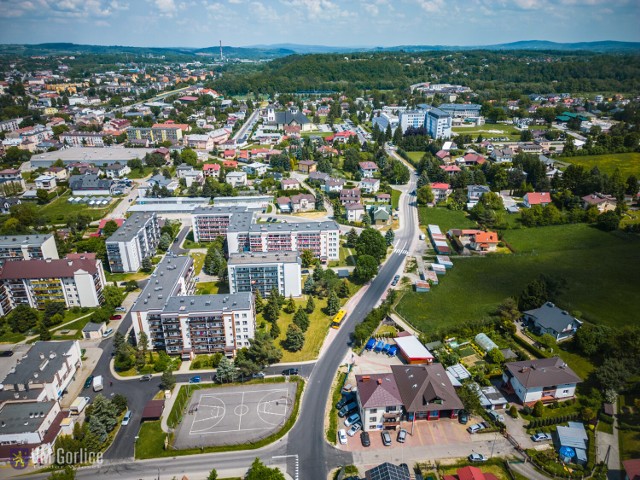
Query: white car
x=342, y=436
x=540, y=437
x=477, y=457
x=355, y=428
x=127, y=418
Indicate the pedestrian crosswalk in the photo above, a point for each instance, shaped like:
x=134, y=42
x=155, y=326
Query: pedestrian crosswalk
x=401, y=251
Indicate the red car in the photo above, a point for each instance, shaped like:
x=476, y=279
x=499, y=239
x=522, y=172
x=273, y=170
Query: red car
x=116, y=317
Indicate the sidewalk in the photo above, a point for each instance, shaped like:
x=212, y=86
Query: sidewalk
x=608, y=450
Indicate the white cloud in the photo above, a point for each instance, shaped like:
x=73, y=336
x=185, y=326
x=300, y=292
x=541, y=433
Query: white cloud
x=432, y=6
x=166, y=8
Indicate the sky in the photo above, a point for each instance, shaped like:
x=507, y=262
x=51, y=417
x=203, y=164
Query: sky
x=203, y=23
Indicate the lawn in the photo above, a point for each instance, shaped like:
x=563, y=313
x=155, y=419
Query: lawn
x=58, y=210
x=627, y=163
x=125, y=277
x=347, y=258
x=489, y=130
x=415, y=156
x=211, y=288
x=600, y=269
x=135, y=173
x=495, y=466
x=395, y=198
x=198, y=262
x=445, y=218
x=314, y=336
x=629, y=414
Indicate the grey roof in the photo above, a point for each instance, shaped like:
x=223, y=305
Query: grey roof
x=162, y=283
x=286, y=118
x=159, y=180
x=458, y=107
x=378, y=390
x=573, y=435
x=131, y=227
x=24, y=240
x=436, y=112
x=551, y=317
x=24, y=417
x=284, y=227
x=93, y=327
x=96, y=155
x=115, y=166
x=263, y=258
x=208, y=303
x=32, y=363
x=388, y=471
x=89, y=182
x=425, y=387
x=542, y=372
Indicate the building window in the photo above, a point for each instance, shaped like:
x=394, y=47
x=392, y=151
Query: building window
x=373, y=419
x=373, y=410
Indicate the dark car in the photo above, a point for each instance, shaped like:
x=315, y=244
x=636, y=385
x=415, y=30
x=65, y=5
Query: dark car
x=463, y=417
x=395, y=280
x=346, y=398
x=364, y=438
x=115, y=317
x=195, y=379
x=6, y=353
x=290, y=371
x=88, y=382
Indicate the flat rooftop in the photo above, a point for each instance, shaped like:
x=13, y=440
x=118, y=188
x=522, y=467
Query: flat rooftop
x=25, y=417
x=247, y=226
x=131, y=227
x=257, y=258
x=162, y=283
x=23, y=240
x=94, y=155
x=208, y=303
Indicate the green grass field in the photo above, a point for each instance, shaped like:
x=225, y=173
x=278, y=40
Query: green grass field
x=445, y=218
x=395, y=198
x=489, y=130
x=198, y=262
x=58, y=210
x=415, y=156
x=211, y=288
x=627, y=163
x=600, y=269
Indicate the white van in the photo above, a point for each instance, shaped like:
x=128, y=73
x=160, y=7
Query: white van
x=495, y=416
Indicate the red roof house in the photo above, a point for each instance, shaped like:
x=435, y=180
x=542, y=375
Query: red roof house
x=537, y=198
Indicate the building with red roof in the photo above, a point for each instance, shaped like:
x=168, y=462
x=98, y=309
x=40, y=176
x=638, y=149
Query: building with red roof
x=451, y=169
x=537, y=198
x=441, y=191
x=471, y=473
x=484, y=242
x=211, y=169
x=367, y=169
x=632, y=469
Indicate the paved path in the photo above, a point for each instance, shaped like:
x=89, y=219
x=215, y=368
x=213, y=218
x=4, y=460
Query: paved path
x=57, y=327
x=608, y=450
x=528, y=471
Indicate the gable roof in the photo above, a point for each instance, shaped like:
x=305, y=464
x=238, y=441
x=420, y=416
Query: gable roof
x=287, y=118
x=632, y=468
x=62, y=268
x=425, y=387
x=378, y=390
x=536, y=198
x=542, y=372
x=486, y=237
x=388, y=471
x=89, y=182
x=550, y=316
x=368, y=166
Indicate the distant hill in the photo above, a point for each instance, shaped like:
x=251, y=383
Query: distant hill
x=267, y=52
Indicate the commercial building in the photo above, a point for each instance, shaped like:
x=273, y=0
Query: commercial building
x=172, y=277
x=43, y=372
x=322, y=238
x=83, y=139
x=250, y=272
x=93, y=155
x=203, y=324
x=27, y=247
x=384, y=120
x=438, y=123
x=27, y=423
x=250, y=202
x=167, y=205
x=77, y=280
x=211, y=222
x=461, y=110
x=134, y=241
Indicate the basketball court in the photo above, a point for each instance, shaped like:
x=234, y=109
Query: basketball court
x=233, y=415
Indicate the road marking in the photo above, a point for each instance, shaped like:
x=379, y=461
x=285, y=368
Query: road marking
x=297, y=465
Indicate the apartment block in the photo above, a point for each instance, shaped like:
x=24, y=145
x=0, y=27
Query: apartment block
x=412, y=119
x=156, y=134
x=212, y=222
x=27, y=247
x=438, y=123
x=251, y=272
x=134, y=241
x=77, y=280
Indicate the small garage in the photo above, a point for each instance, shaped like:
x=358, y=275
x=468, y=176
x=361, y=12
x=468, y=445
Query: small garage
x=412, y=350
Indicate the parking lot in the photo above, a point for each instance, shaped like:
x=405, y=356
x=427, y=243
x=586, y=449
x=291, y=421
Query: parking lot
x=235, y=415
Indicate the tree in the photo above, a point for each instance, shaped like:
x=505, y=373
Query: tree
x=548, y=341
x=538, y=409
x=259, y=471
x=495, y=356
x=371, y=242
x=513, y=411
x=333, y=304
x=608, y=221
x=389, y=237
x=470, y=399
x=309, y=285
x=366, y=268
x=301, y=319
x=226, y=370
x=43, y=332
x=290, y=307
x=294, y=340
x=275, y=331
x=42, y=196
x=23, y=318
x=213, y=475
x=612, y=374
x=165, y=242
x=109, y=228
x=343, y=289
x=308, y=258
x=167, y=380
x=311, y=305
x=352, y=238
x=258, y=301
x=425, y=195
x=147, y=266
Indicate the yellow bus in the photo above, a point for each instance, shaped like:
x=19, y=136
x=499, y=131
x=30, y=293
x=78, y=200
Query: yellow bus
x=337, y=320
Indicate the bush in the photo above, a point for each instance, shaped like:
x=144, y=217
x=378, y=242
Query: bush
x=513, y=411
x=538, y=409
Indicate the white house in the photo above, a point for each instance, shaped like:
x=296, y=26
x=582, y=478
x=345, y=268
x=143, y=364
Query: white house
x=537, y=198
x=117, y=170
x=370, y=185
x=289, y=184
x=46, y=182
x=355, y=212
x=367, y=169
x=256, y=168
x=545, y=379
x=379, y=401
x=237, y=179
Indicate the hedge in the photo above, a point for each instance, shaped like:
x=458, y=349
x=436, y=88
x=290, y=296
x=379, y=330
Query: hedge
x=530, y=348
x=548, y=421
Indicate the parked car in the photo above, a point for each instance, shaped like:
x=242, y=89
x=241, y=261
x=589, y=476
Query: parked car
x=476, y=427
x=364, y=439
x=402, y=436
x=355, y=428
x=347, y=409
x=346, y=398
x=290, y=371
x=115, y=317
x=495, y=416
x=386, y=438
x=540, y=437
x=477, y=457
x=107, y=332
x=463, y=417
x=342, y=436
x=351, y=419
x=6, y=353
x=258, y=375
x=121, y=309
x=145, y=378
x=88, y=382
x=127, y=418
x=395, y=280
x=195, y=379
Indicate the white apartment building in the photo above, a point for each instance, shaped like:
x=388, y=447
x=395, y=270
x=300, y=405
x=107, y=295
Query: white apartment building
x=212, y=222
x=43, y=372
x=83, y=139
x=250, y=272
x=26, y=247
x=385, y=119
x=77, y=280
x=134, y=241
x=438, y=123
x=412, y=119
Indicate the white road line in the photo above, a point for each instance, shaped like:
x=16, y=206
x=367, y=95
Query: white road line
x=240, y=421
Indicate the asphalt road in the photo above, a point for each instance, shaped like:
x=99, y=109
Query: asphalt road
x=245, y=126
x=304, y=443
